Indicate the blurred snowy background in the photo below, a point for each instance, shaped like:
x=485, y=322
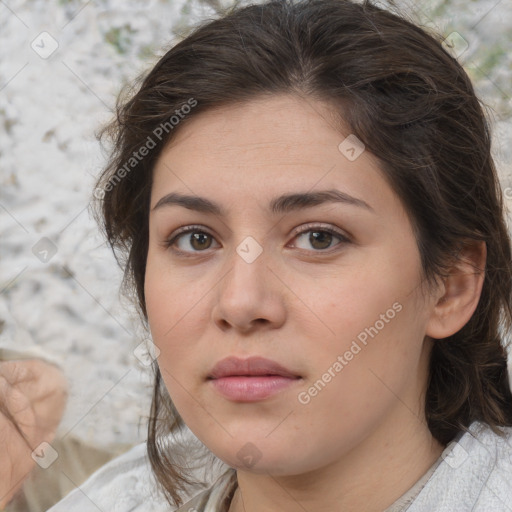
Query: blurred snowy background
x=62, y=64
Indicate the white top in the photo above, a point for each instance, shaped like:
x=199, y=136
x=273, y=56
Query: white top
x=474, y=474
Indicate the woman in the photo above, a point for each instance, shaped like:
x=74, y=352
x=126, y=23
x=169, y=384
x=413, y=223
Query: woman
x=313, y=225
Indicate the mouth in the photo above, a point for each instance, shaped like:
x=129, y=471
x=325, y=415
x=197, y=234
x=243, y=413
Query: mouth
x=250, y=380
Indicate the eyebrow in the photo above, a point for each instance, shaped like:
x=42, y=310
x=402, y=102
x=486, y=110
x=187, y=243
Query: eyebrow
x=282, y=204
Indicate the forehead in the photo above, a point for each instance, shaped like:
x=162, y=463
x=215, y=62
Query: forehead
x=260, y=130
x=263, y=148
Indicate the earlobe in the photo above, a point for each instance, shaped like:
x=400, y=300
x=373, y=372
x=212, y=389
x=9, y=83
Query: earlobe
x=459, y=293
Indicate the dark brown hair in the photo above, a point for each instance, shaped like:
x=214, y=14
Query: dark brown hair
x=414, y=108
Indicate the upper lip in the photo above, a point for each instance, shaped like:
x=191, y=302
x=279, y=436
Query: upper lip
x=234, y=366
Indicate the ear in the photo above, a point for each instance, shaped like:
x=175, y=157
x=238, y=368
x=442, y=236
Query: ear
x=459, y=292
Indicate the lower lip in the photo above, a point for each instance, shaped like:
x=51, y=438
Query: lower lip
x=251, y=389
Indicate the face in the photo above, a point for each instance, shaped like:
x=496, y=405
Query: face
x=325, y=285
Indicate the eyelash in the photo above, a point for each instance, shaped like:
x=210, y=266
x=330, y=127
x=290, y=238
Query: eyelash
x=304, y=229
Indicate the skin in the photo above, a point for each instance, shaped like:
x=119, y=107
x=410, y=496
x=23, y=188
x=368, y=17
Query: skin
x=34, y=394
x=362, y=441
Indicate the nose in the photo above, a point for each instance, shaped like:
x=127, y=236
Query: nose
x=249, y=296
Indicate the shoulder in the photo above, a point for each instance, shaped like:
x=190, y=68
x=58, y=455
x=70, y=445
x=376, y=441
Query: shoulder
x=474, y=475
x=127, y=484
x=124, y=484
x=217, y=497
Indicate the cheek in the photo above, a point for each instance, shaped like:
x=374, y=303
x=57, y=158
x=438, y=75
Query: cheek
x=171, y=333
x=356, y=302
x=176, y=314
x=159, y=304
x=374, y=317
x=164, y=305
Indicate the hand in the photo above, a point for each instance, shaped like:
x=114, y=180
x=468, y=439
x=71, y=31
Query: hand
x=33, y=396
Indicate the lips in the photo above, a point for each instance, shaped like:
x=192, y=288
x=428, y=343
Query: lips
x=251, y=380
x=251, y=367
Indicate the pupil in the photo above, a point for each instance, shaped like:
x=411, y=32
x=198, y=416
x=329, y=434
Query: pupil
x=199, y=237
x=318, y=236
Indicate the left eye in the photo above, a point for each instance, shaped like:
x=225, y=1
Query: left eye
x=320, y=238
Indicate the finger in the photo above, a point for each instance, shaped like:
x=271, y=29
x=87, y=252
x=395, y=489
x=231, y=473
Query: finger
x=15, y=402
x=16, y=372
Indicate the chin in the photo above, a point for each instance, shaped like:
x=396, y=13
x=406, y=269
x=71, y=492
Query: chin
x=260, y=457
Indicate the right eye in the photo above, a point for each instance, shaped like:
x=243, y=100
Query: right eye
x=197, y=239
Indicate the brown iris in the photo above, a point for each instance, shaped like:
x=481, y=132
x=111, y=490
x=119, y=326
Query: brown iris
x=322, y=237
x=200, y=238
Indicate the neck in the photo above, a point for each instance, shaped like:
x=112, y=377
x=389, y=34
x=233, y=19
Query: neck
x=370, y=477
